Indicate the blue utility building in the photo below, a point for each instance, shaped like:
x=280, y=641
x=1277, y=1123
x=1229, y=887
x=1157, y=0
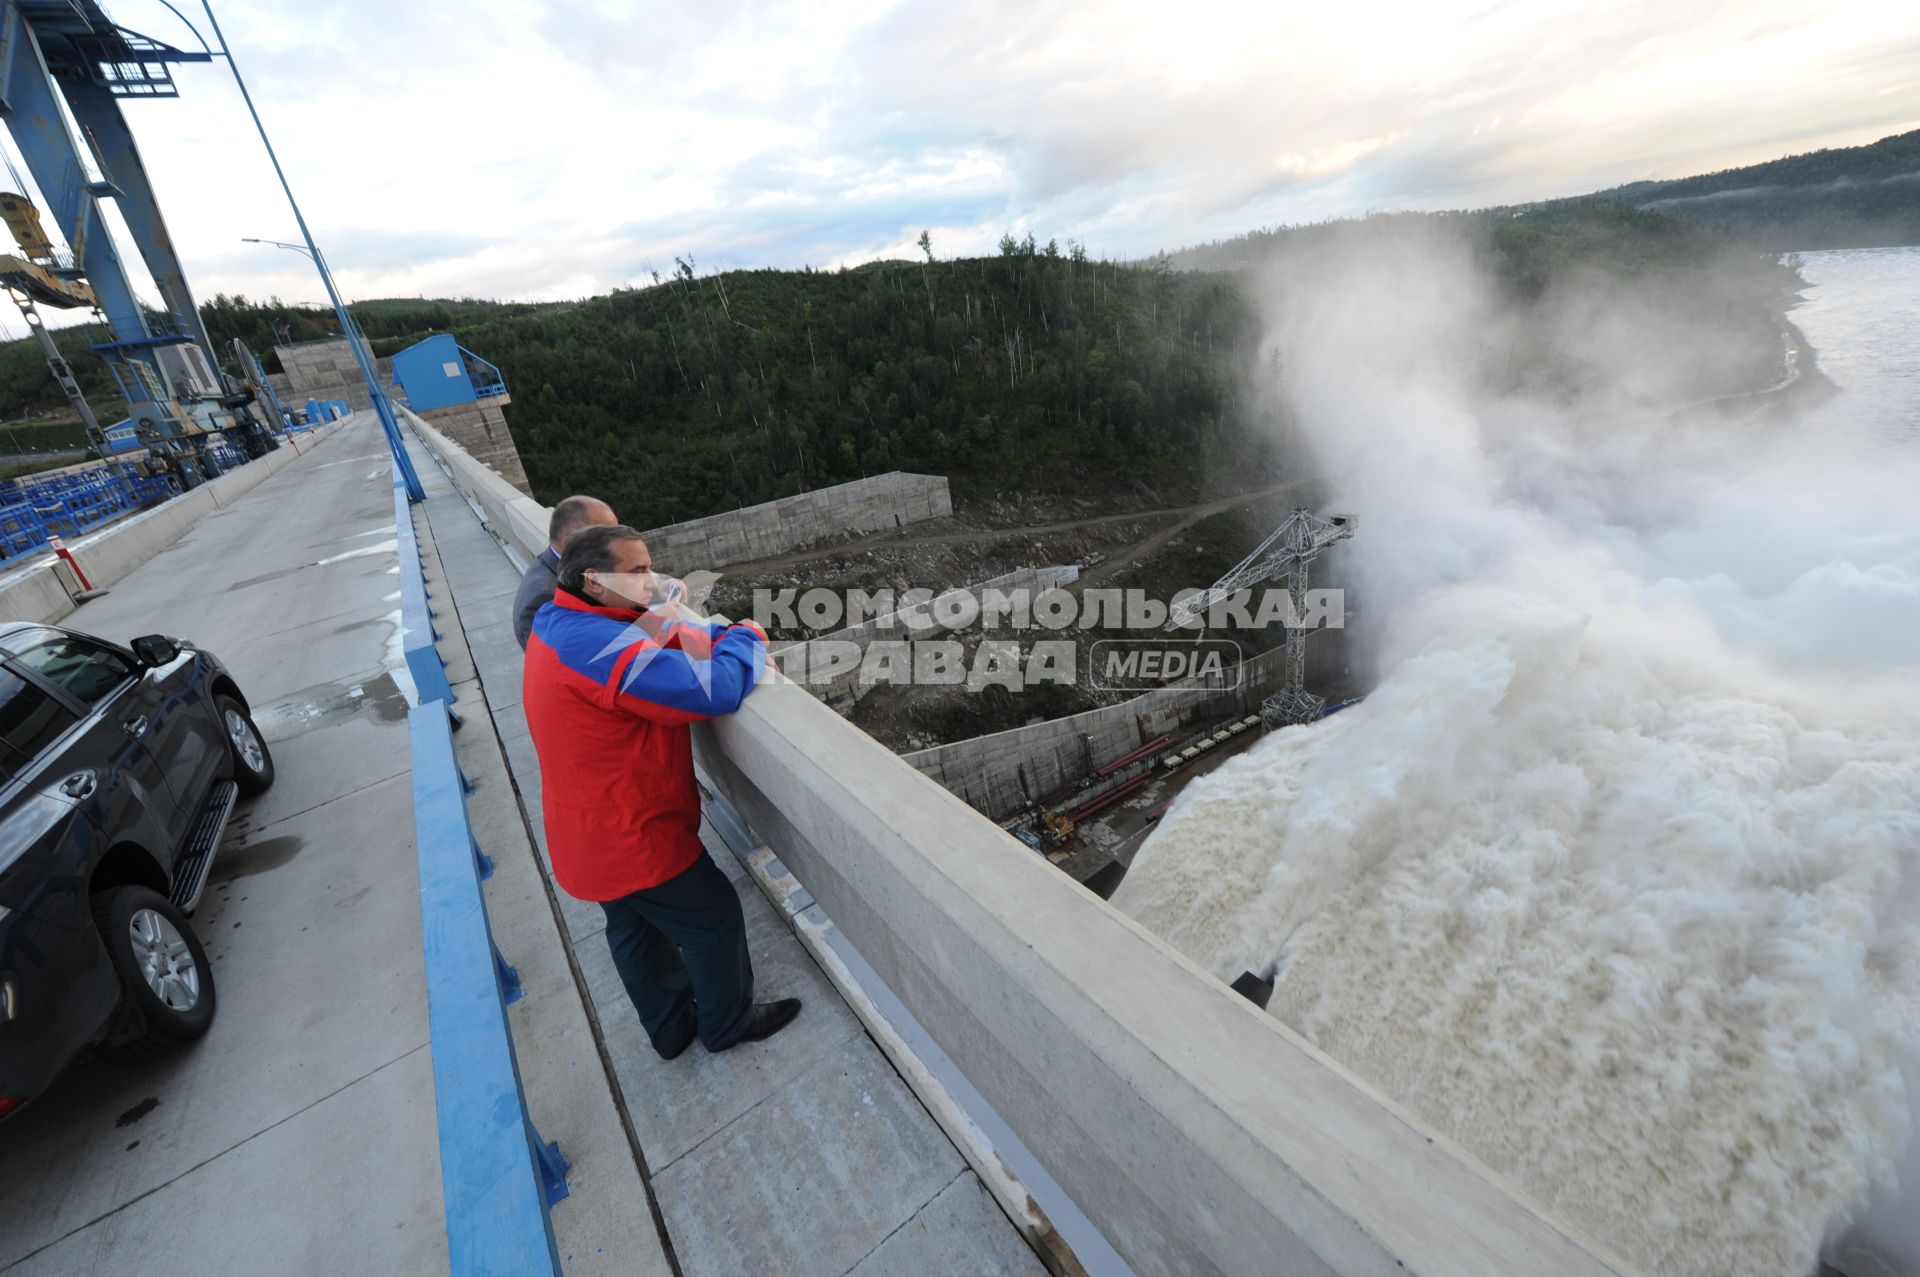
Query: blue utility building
x=440, y=373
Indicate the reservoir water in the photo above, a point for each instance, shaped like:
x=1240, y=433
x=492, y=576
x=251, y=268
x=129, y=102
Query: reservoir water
x=1862, y=315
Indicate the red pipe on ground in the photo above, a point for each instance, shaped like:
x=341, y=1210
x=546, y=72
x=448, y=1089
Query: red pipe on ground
x=1117, y=792
x=1140, y=753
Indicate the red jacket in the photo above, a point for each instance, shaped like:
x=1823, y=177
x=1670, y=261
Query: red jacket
x=608, y=696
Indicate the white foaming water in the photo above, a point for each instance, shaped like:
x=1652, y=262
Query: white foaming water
x=1615, y=877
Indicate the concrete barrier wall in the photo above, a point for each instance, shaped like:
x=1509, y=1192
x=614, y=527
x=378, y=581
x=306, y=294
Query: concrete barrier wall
x=1006, y=772
x=36, y=594
x=511, y=515
x=42, y=592
x=810, y=662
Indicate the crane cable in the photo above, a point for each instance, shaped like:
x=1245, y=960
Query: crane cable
x=19, y=183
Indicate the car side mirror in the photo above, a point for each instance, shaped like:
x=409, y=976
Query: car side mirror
x=154, y=649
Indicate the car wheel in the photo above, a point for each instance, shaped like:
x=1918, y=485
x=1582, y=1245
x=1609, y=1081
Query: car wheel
x=252, y=763
x=162, y=967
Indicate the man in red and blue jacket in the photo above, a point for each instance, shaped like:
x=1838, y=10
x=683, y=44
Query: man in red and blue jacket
x=610, y=686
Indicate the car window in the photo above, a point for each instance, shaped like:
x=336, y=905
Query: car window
x=29, y=718
x=81, y=670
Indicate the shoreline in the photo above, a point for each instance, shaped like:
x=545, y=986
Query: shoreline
x=1807, y=383
x=1802, y=384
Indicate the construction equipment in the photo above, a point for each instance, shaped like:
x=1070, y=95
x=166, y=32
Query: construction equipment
x=1287, y=552
x=67, y=58
x=255, y=379
x=42, y=274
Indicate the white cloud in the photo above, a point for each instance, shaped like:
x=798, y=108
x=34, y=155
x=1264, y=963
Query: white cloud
x=543, y=150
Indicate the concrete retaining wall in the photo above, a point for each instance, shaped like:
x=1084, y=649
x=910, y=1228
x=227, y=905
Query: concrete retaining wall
x=480, y=429
x=43, y=592
x=843, y=690
x=324, y=369
x=1006, y=772
x=885, y=501
x=869, y=505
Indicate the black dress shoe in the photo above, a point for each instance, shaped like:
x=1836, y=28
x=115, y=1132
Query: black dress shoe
x=765, y=1020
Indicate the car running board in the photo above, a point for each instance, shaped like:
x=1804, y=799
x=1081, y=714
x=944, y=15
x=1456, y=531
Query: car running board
x=190, y=874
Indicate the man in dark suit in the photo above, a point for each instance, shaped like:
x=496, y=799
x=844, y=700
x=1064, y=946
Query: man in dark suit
x=537, y=586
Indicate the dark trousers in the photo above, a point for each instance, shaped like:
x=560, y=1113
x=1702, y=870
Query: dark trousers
x=681, y=950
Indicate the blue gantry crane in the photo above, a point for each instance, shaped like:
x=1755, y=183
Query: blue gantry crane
x=69, y=52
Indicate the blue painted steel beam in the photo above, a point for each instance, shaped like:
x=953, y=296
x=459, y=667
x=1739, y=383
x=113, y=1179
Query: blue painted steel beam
x=31, y=110
x=97, y=111
x=497, y=1176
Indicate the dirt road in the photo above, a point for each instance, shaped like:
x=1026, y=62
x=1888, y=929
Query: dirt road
x=1178, y=518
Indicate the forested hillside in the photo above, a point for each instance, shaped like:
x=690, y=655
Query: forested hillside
x=1034, y=368
x=1520, y=248
x=1029, y=369
x=1564, y=296
x=1850, y=197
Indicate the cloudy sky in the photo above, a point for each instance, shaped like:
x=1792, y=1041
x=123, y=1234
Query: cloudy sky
x=558, y=148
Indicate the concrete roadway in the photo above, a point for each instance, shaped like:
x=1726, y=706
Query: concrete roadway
x=299, y=1136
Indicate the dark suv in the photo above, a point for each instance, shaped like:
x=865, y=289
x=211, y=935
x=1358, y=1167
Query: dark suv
x=118, y=770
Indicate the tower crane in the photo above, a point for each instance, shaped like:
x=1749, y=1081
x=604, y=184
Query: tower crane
x=1287, y=553
x=66, y=59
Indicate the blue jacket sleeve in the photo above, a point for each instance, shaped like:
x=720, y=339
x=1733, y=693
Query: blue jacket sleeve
x=670, y=684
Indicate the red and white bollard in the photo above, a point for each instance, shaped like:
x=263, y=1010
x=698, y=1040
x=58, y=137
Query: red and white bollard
x=86, y=587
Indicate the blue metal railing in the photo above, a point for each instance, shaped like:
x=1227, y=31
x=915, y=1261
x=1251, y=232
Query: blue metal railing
x=31, y=510
x=486, y=379
x=498, y=1178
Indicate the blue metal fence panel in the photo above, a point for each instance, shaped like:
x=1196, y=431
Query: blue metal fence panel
x=497, y=1176
x=487, y=381
x=33, y=509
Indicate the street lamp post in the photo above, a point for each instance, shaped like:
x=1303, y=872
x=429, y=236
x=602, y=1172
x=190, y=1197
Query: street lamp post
x=347, y=323
x=380, y=405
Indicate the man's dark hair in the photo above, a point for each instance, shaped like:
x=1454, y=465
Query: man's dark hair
x=591, y=550
x=569, y=517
